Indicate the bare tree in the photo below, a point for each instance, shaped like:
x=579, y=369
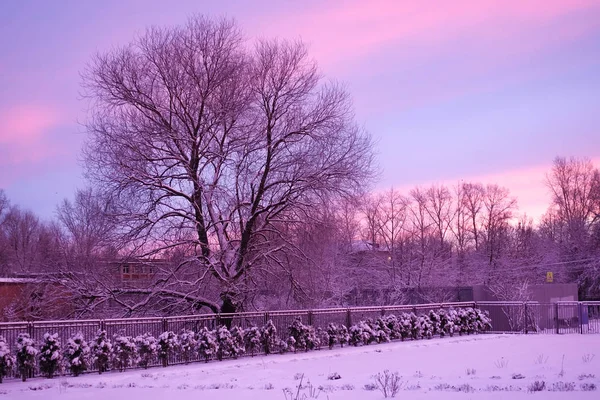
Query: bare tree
x=214, y=147
x=421, y=230
x=575, y=188
x=22, y=229
x=439, y=208
x=473, y=194
x=499, y=207
x=391, y=219
x=89, y=227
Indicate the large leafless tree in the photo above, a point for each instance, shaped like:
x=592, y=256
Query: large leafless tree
x=210, y=143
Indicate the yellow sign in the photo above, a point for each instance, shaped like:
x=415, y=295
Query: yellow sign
x=549, y=277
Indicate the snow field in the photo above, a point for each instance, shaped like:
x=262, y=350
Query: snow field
x=468, y=367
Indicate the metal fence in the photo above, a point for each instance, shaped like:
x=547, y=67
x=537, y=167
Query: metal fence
x=543, y=318
x=507, y=317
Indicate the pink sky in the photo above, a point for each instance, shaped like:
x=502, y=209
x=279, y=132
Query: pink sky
x=485, y=91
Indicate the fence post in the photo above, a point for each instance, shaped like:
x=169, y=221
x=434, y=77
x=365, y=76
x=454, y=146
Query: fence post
x=382, y=311
x=348, y=318
x=580, y=309
x=30, y=333
x=165, y=325
x=526, y=315
x=309, y=317
x=557, y=321
x=266, y=318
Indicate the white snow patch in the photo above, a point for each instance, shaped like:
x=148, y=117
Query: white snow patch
x=468, y=367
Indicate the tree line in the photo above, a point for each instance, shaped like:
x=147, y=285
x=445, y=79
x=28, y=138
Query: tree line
x=241, y=172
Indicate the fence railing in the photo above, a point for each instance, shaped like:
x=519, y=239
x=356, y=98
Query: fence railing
x=507, y=317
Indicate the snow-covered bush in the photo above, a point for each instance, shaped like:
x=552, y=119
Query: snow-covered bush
x=124, y=352
x=343, y=336
x=167, y=344
x=207, y=344
x=101, y=351
x=381, y=330
x=393, y=325
x=404, y=322
x=322, y=337
x=483, y=320
x=332, y=334
x=291, y=344
x=462, y=321
x=415, y=327
x=269, y=337
x=50, y=356
x=282, y=346
x=435, y=322
x=425, y=326
x=26, y=353
x=305, y=337
x=224, y=343
x=252, y=338
x=147, y=348
x=77, y=354
x=237, y=337
x=361, y=334
x=187, y=345
x=7, y=361
x=312, y=339
x=447, y=322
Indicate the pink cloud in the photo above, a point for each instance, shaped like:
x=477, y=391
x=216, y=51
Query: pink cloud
x=24, y=125
x=348, y=30
x=26, y=140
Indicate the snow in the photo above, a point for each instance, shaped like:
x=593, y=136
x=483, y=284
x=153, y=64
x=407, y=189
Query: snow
x=430, y=369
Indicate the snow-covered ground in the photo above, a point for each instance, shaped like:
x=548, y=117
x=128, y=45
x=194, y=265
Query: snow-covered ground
x=471, y=367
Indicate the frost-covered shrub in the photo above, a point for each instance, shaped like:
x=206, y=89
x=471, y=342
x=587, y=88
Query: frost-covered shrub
x=207, y=344
x=483, y=322
x=305, y=337
x=291, y=344
x=7, y=361
x=269, y=338
x=187, y=343
x=282, y=346
x=434, y=317
x=50, y=356
x=463, y=321
x=361, y=334
x=26, y=353
x=167, y=344
x=101, y=350
x=252, y=338
x=237, y=338
x=415, y=327
x=381, y=330
x=147, y=348
x=224, y=343
x=425, y=326
x=124, y=352
x=393, y=326
x=404, y=322
x=322, y=337
x=312, y=339
x=77, y=354
x=343, y=336
x=447, y=318
x=332, y=334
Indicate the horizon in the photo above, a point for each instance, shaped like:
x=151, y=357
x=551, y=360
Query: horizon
x=486, y=92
